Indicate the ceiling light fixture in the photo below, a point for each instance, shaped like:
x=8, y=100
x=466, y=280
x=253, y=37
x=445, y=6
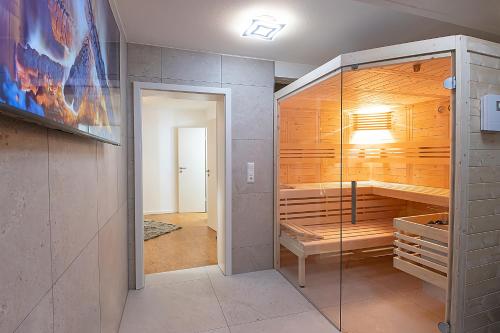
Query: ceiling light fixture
x=264, y=27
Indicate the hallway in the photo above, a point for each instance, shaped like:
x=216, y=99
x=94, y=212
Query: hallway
x=203, y=300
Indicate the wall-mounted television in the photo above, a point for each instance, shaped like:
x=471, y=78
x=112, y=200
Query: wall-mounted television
x=60, y=65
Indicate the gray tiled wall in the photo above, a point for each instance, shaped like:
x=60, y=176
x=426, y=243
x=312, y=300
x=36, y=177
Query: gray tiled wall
x=63, y=230
x=251, y=82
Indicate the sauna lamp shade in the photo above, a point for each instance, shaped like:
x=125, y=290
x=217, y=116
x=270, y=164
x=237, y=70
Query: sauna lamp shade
x=263, y=28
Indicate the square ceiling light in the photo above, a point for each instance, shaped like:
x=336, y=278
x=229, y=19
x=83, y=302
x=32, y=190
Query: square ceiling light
x=263, y=28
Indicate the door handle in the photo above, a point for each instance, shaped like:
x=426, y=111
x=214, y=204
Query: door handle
x=181, y=169
x=354, y=185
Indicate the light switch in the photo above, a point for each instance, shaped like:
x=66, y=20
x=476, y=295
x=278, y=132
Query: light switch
x=250, y=172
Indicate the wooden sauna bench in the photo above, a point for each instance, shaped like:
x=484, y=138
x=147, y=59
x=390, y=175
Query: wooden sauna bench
x=311, y=216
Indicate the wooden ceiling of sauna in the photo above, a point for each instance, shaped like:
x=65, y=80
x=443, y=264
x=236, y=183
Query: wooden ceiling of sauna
x=393, y=85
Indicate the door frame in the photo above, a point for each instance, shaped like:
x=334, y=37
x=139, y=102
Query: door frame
x=224, y=210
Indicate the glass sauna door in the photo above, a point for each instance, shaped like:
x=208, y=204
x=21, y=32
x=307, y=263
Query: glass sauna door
x=396, y=176
x=309, y=212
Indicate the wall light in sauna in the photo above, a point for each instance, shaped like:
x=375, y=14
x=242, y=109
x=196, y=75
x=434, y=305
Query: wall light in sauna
x=263, y=27
x=372, y=125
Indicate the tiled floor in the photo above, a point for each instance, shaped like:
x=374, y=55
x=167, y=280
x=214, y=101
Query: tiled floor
x=194, y=245
x=203, y=300
x=376, y=297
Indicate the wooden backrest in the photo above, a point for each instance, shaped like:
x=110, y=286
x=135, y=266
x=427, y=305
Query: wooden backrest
x=310, y=207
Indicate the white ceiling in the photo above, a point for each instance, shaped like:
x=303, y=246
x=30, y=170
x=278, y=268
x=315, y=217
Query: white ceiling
x=483, y=15
x=317, y=30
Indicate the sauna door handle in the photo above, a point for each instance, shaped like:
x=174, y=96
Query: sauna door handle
x=354, y=185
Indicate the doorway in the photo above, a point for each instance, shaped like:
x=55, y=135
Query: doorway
x=182, y=178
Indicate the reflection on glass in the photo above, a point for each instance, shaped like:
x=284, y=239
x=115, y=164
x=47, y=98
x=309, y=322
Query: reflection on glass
x=364, y=165
x=310, y=193
x=397, y=148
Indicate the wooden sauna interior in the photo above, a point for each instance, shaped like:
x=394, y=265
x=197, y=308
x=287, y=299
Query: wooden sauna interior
x=387, y=128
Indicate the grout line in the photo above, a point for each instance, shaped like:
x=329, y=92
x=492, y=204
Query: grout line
x=315, y=308
x=33, y=309
x=76, y=257
x=99, y=283
x=123, y=309
x=246, y=85
x=283, y=316
x=97, y=235
x=52, y=283
x=51, y=288
x=217, y=297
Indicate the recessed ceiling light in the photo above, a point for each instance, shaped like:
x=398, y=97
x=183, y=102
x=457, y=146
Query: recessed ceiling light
x=264, y=28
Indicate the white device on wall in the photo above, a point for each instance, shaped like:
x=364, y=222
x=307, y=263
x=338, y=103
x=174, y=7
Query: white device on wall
x=490, y=113
x=251, y=172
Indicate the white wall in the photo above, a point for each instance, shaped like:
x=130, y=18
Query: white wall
x=161, y=118
x=290, y=70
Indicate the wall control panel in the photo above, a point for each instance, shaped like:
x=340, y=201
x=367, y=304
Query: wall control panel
x=251, y=172
x=490, y=113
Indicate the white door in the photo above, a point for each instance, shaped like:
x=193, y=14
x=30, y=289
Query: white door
x=212, y=174
x=191, y=169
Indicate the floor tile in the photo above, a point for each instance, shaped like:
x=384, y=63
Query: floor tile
x=386, y=315
x=219, y=330
x=185, y=307
x=183, y=275
x=256, y=296
x=214, y=271
x=310, y=322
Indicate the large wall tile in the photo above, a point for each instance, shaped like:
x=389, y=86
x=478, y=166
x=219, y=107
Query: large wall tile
x=113, y=268
x=25, y=273
x=261, y=153
x=247, y=71
x=107, y=182
x=251, y=225
x=40, y=320
x=191, y=66
x=73, y=196
x=251, y=112
x=144, y=60
x=252, y=258
x=76, y=294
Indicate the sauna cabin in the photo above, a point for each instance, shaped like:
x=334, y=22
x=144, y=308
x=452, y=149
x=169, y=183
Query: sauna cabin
x=374, y=152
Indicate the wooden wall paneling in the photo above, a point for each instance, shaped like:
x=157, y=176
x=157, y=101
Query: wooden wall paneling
x=330, y=125
x=304, y=173
x=482, y=283
x=313, y=117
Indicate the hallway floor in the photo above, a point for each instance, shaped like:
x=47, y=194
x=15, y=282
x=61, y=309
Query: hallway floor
x=202, y=300
x=194, y=245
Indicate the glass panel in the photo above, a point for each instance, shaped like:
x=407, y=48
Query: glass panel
x=396, y=175
x=309, y=197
